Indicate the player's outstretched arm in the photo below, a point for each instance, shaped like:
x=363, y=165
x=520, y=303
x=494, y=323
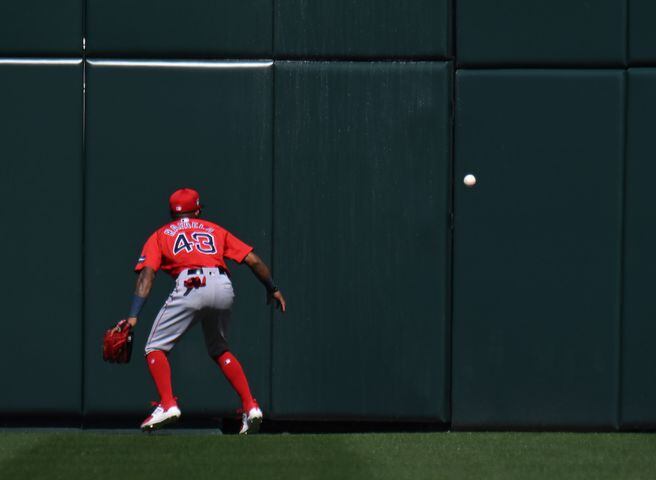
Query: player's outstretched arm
x=263, y=274
x=142, y=290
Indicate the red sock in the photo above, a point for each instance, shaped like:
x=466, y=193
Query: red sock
x=232, y=370
x=160, y=370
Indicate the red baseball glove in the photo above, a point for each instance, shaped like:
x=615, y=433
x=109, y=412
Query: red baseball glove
x=117, y=343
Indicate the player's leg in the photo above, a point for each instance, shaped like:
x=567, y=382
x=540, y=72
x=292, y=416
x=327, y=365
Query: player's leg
x=215, y=322
x=160, y=371
x=234, y=373
x=173, y=320
x=251, y=412
x=167, y=410
x=215, y=325
x=214, y=329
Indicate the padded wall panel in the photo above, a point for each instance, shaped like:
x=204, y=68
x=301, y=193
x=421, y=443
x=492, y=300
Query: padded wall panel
x=638, y=356
x=537, y=248
x=41, y=182
x=168, y=28
x=153, y=128
x=539, y=32
x=369, y=28
x=642, y=35
x=360, y=221
x=39, y=27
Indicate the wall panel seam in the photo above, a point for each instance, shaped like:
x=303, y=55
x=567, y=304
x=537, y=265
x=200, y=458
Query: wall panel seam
x=84, y=211
x=273, y=229
x=451, y=212
x=542, y=66
x=83, y=245
x=451, y=244
x=627, y=35
x=157, y=63
x=625, y=158
x=273, y=28
x=41, y=61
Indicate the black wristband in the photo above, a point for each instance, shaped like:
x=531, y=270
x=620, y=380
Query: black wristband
x=137, y=305
x=270, y=287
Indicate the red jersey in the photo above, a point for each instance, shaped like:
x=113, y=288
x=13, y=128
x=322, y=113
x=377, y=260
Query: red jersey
x=190, y=243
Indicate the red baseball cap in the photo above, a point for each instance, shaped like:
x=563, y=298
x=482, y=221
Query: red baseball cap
x=184, y=200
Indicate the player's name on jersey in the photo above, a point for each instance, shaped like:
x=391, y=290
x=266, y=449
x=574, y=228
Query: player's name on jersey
x=186, y=224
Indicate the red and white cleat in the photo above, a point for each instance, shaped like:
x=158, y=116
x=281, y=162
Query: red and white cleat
x=250, y=422
x=160, y=418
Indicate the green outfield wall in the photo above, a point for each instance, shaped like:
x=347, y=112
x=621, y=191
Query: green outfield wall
x=334, y=135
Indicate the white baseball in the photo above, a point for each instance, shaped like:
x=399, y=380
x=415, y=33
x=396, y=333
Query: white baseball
x=469, y=180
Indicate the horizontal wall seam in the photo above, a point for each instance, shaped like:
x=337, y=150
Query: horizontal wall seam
x=246, y=57
x=97, y=59
x=543, y=66
x=183, y=63
x=41, y=61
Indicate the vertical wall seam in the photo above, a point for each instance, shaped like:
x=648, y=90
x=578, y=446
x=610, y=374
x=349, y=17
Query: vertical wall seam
x=84, y=214
x=83, y=242
x=625, y=156
x=451, y=214
x=627, y=36
x=273, y=30
x=273, y=193
x=84, y=27
x=450, y=245
x=273, y=224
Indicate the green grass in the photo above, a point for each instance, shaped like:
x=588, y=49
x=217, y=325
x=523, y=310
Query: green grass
x=84, y=455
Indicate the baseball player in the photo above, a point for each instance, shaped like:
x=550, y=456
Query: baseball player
x=193, y=251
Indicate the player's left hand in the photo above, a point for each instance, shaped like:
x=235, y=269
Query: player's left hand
x=132, y=321
x=279, y=299
x=117, y=343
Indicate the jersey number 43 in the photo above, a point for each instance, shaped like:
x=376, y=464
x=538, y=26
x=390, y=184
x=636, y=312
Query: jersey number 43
x=203, y=242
